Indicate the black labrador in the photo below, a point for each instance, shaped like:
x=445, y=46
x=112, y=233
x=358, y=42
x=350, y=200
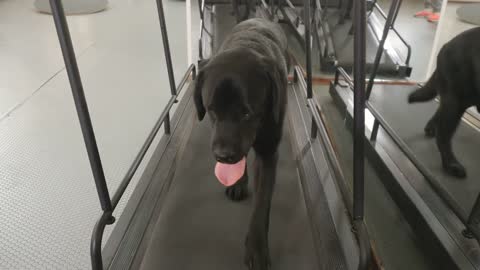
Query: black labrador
x=243, y=90
x=457, y=81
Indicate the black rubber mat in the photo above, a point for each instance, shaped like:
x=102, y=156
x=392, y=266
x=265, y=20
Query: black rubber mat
x=199, y=228
x=408, y=121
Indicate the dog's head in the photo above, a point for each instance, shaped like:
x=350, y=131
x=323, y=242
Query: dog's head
x=238, y=91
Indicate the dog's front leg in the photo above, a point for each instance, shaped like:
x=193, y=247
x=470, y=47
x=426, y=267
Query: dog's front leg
x=257, y=256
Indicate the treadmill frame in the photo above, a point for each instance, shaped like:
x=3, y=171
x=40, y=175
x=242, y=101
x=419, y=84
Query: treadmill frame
x=324, y=41
x=108, y=204
x=355, y=207
x=420, y=216
x=472, y=219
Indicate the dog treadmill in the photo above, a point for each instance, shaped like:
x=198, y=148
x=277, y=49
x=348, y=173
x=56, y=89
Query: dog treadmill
x=179, y=217
x=438, y=205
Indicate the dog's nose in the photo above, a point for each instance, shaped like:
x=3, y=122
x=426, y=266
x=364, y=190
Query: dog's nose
x=225, y=156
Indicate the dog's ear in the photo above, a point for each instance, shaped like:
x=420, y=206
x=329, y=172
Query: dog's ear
x=197, y=95
x=278, y=85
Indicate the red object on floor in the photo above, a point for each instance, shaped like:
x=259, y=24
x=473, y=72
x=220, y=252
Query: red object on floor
x=434, y=17
x=423, y=13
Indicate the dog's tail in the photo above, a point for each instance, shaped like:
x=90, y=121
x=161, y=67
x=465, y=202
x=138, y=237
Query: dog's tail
x=424, y=93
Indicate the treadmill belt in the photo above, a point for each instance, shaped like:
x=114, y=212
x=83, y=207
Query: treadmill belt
x=200, y=228
x=408, y=121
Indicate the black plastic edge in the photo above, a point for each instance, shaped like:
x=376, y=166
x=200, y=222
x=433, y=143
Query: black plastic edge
x=319, y=185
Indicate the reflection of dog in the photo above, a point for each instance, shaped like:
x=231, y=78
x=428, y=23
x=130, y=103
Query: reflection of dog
x=243, y=90
x=457, y=81
x=249, y=5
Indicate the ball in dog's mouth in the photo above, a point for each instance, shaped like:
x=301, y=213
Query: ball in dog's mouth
x=229, y=174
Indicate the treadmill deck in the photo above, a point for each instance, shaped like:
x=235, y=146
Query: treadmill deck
x=200, y=228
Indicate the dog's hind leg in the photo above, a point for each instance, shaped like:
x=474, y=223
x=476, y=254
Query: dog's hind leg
x=431, y=125
x=448, y=118
x=239, y=190
x=257, y=256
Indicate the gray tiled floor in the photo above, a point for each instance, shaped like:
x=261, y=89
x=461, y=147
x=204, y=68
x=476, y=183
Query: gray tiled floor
x=450, y=26
x=48, y=202
x=417, y=32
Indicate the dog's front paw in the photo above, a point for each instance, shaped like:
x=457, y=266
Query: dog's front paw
x=456, y=169
x=238, y=191
x=257, y=256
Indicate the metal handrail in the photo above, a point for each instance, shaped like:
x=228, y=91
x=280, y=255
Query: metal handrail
x=359, y=55
x=362, y=236
x=348, y=79
x=153, y=132
x=308, y=47
x=392, y=27
x=378, y=56
x=320, y=13
x=106, y=217
x=168, y=58
x=80, y=103
x=109, y=204
x=359, y=123
x=203, y=29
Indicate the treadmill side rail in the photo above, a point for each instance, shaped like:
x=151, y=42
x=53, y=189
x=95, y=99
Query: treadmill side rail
x=108, y=204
